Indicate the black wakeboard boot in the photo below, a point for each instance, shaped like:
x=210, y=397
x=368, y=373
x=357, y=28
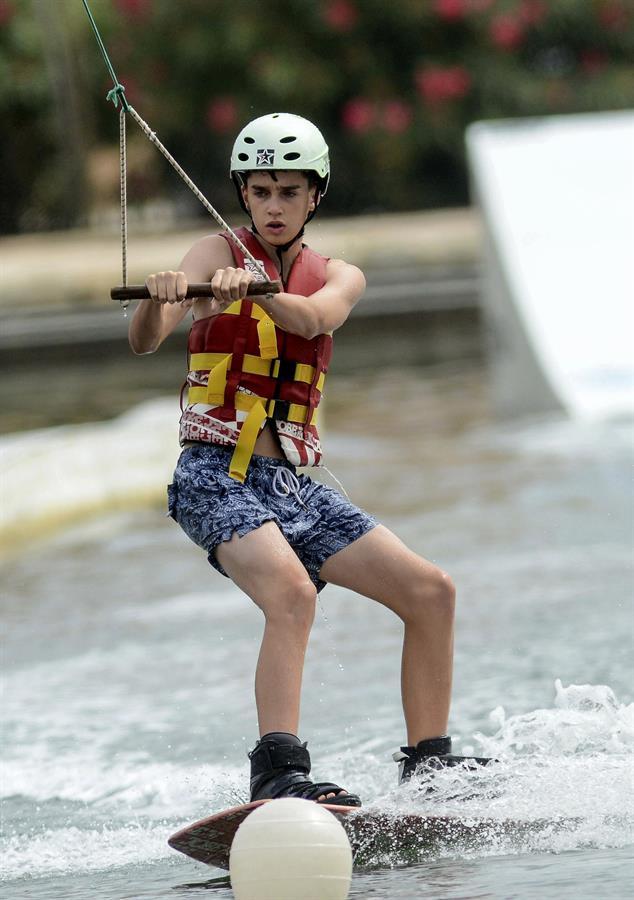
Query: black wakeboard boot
x=431, y=756
x=280, y=766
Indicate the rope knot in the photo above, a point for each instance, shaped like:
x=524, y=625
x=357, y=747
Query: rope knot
x=116, y=94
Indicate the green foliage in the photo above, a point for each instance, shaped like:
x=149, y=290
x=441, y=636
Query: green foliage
x=392, y=86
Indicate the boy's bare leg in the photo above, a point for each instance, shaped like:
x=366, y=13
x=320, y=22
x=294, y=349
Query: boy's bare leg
x=379, y=566
x=265, y=567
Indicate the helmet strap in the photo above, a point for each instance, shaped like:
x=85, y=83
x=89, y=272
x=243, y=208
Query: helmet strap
x=279, y=251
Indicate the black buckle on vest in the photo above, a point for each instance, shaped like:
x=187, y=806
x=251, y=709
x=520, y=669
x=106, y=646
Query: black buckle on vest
x=286, y=373
x=280, y=410
x=287, y=370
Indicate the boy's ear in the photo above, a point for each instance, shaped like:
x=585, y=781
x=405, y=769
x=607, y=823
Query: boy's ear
x=243, y=188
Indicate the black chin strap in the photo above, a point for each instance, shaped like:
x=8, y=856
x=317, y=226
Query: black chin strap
x=283, y=247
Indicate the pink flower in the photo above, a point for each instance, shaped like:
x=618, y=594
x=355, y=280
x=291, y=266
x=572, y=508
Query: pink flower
x=479, y=6
x=358, y=115
x=7, y=11
x=134, y=9
x=532, y=12
x=613, y=14
x=507, y=31
x=438, y=84
x=593, y=61
x=450, y=10
x=222, y=115
x=397, y=116
x=341, y=15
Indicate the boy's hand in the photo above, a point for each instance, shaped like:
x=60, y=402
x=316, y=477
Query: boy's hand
x=168, y=287
x=229, y=285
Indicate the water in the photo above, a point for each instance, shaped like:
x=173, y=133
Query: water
x=128, y=671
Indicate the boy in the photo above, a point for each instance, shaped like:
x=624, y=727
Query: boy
x=255, y=380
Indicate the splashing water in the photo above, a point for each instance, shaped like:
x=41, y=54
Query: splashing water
x=561, y=780
x=129, y=709
x=587, y=720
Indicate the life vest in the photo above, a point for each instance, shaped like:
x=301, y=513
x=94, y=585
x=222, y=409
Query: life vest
x=245, y=369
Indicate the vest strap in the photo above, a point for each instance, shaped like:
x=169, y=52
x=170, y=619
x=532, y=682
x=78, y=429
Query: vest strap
x=246, y=441
x=253, y=365
x=217, y=382
x=267, y=338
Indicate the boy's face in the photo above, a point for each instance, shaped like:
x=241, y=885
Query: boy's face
x=279, y=206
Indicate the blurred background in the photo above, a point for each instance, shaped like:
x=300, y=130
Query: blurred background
x=499, y=268
x=392, y=85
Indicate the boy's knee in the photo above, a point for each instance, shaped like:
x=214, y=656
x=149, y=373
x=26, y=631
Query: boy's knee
x=293, y=605
x=432, y=597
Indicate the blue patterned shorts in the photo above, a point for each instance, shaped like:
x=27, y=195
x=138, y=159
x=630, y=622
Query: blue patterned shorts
x=211, y=507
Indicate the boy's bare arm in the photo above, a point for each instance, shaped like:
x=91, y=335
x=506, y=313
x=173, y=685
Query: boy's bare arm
x=326, y=309
x=156, y=318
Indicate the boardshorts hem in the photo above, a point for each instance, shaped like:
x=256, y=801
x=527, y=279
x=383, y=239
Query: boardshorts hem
x=210, y=506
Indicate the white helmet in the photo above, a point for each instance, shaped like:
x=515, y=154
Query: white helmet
x=281, y=141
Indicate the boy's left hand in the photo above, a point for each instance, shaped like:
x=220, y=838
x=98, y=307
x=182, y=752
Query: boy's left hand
x=229, y=285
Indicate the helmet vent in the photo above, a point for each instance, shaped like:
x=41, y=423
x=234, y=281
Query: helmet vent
x=280, y=142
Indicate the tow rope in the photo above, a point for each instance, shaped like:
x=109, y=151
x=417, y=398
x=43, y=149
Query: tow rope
x=126, y=292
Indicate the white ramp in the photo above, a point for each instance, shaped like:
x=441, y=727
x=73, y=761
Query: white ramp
x=557, y=198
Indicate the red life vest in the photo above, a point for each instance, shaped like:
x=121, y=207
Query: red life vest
x=245, y=369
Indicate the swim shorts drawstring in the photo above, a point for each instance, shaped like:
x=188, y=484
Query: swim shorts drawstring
x=285, y=483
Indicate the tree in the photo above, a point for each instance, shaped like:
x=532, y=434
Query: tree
x=392, y=86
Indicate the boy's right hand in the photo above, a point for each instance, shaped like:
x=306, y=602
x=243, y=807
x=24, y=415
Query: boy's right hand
x=168, y=287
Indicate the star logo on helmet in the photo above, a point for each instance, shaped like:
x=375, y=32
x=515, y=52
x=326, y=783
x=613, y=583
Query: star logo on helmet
x=264, y=157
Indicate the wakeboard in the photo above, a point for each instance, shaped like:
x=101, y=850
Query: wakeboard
x=376, y=837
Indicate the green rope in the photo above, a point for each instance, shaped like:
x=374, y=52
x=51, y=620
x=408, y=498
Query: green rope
x=117, y=93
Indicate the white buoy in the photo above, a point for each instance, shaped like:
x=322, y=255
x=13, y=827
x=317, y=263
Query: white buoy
x=291, y=849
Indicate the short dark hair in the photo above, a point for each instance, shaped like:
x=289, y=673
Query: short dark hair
x=312, y=177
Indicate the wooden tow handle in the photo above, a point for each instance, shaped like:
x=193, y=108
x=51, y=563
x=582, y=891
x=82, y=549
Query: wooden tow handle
x=140, y=292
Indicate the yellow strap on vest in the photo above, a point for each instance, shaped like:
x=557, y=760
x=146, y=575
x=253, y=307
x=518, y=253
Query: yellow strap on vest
x=217, y=382
x=257, y=312
x=197, y=395
x=242, y=400
x=298, y=413
x=267, y=338
x=246, y=441
x=200, y=362
x=306, y=373
x=245, y=402
x=253, y=365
